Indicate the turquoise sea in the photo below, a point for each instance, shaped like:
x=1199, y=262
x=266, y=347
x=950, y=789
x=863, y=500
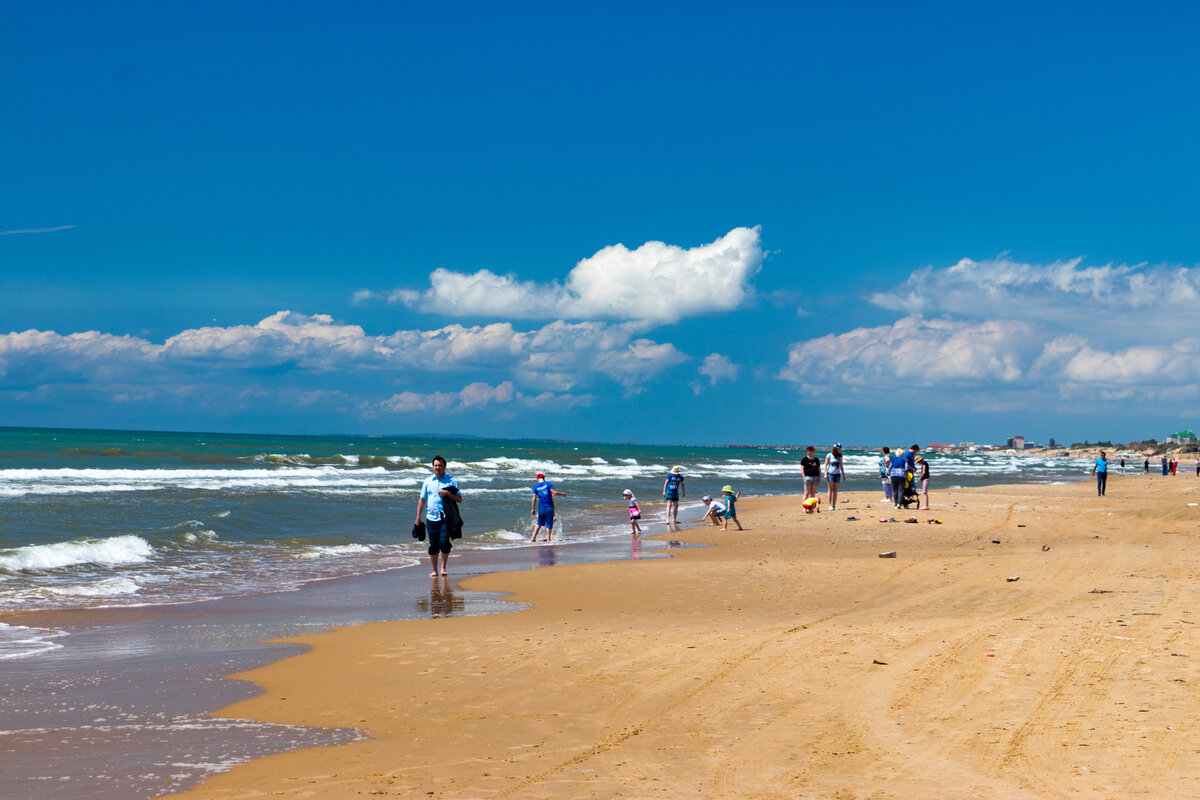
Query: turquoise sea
x=131, y=518
x=137, y=569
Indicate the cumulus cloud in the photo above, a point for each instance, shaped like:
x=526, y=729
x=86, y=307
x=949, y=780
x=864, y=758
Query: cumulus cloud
x=1096, y=299
x=656, y=281
x=715, y=367
x=547, y=367
x=477, y=396
x=1000, y=363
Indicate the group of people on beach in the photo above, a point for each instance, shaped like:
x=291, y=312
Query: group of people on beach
x=439, y=497
x=1100, y=469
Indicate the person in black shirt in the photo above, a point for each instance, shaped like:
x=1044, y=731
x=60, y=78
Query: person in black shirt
x=812, y=472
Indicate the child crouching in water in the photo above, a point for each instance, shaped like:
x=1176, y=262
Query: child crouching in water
x=635, y=513
x=730, y=511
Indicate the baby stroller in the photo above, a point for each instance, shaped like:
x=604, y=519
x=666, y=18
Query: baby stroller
x=909, y=493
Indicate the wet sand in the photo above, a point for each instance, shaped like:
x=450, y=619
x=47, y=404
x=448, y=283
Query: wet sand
x=123, y=709
x=789, y=661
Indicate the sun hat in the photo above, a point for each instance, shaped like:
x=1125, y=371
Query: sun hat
x=540, y=476
x=627, y=493
x=727, y=489
x=677, y=470
x=707, y=498
x=919, y=458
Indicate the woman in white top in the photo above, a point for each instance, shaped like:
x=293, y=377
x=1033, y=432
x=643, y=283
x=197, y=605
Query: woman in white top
x=833, y=474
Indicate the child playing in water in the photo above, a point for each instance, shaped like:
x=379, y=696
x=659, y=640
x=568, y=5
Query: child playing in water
x=713, y=510
x=635, y=513
x=730, y=511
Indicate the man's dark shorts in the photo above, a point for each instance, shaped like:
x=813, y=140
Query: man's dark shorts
x=546, y=517
x=439, y=536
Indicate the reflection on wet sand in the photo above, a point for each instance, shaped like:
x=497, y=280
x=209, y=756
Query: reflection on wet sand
x=442, y=602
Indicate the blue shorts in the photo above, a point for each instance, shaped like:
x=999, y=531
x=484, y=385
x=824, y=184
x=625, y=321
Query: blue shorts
x=672, y=496
x=439, y=536
x=833, y=477
x=546, y=517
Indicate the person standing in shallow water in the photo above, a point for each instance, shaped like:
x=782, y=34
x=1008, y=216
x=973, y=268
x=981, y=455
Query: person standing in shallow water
x=1100, y=470
x=672, y=491
x=437, y=490
x=543, y=506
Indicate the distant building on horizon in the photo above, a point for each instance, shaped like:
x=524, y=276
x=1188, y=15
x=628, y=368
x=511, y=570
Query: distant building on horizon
x=1016, y=443
x=1182, y=437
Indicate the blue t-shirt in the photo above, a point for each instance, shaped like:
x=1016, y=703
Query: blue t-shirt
x=674, y=483
x=545, y=495
x=1101, y=465
x=433, y=500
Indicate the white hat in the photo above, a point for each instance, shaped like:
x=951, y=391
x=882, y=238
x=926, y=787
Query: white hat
x=627, y=493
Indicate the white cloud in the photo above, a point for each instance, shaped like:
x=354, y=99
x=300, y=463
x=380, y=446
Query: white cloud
x=715, y=367
x=993, y=364
x=547, y=367
x=718, y=367
x=1100, y=300
x=656, y=281
x=55, y=229
x=475, y=397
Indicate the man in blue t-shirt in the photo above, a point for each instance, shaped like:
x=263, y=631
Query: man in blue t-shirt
x=543, y=506
x=437, y=490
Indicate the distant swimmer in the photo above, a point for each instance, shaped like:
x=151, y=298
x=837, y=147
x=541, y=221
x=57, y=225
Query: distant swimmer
x=543, y=506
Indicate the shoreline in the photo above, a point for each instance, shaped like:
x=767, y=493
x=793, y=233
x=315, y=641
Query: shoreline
x=796, y=662
x=130, y=701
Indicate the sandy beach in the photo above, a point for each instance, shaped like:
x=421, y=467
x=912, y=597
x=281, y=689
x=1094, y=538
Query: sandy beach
x=1040, y=643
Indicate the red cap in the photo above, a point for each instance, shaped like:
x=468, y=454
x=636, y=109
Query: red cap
x=540, y=476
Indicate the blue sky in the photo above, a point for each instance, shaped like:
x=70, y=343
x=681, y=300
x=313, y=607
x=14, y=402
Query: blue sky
x=655, y=222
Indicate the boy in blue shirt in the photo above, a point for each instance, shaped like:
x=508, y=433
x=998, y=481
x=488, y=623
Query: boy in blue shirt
x=543, y=506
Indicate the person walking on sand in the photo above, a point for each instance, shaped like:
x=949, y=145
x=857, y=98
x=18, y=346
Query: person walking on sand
x=1122, y=466
x=1146, y=466
x=1164, y=465
x=1174, y=466
x=543, y=506
x=833, y=474
x=1100, y=470
x=437, y=490
x=635, y=513
x=672, y=491
x=730, y=510
x=811, y=468
x=923, y=465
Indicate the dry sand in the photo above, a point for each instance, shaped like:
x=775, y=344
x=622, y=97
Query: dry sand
x=790, y=661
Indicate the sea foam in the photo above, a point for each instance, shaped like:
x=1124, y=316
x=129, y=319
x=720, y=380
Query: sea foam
x=114, y=551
